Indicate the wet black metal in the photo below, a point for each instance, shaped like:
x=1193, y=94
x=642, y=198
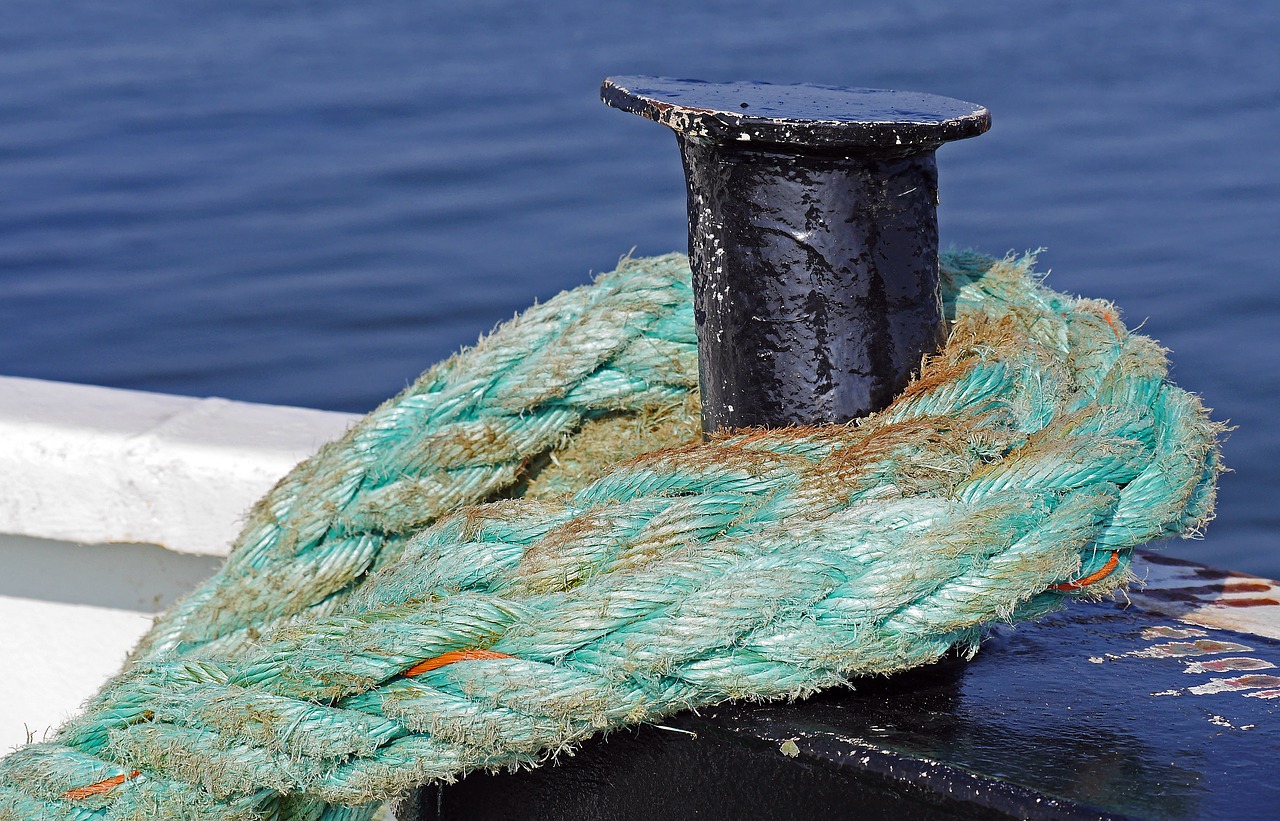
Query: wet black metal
x=817, y=291
x=1102, y=711
x=812, y=236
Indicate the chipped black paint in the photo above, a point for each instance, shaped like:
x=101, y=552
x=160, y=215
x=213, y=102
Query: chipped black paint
x=813, y=239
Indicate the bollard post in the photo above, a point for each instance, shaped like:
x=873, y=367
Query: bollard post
x=813, y=238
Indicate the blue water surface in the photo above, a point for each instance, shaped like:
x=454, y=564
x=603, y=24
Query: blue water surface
x=310, y=202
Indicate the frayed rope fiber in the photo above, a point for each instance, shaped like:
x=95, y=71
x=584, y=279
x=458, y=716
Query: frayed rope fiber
x=376, y=629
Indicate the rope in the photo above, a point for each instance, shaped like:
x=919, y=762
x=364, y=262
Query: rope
x=464, y=432
x=338, y=660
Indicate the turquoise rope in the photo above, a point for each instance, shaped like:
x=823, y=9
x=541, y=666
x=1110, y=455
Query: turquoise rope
x=333, y=662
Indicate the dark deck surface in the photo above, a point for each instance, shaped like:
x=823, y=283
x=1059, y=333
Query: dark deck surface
x=1102, y=710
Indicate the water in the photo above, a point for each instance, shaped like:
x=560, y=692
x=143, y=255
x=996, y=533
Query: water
x=310, y=202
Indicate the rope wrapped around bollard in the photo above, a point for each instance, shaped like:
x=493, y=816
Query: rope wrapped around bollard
x=350, y=649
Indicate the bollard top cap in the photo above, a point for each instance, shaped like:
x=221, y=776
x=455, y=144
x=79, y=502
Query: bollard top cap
x=801, y=115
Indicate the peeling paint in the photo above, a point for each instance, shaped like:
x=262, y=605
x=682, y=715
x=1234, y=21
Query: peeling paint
x=1207, y=596
x=1199, y=647
x=1164, y=632
x=1228, y=664
x=1225, y=685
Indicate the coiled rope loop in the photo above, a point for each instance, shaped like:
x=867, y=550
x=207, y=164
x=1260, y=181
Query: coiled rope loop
x=338, y=659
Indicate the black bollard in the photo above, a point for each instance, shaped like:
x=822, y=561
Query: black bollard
x=813, y=237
